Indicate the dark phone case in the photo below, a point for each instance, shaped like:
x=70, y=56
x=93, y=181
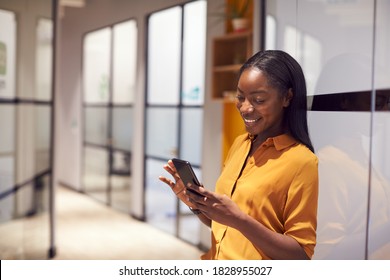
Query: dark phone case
x=185, y=171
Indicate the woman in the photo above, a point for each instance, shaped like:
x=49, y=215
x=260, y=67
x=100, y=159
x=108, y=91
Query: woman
x=265, y=201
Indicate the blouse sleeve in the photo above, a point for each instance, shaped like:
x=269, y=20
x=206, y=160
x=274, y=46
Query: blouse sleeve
x=300, y=212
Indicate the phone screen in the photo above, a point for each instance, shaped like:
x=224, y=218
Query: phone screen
x=185, y=171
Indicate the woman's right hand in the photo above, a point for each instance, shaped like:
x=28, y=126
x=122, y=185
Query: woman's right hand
x=177, y=185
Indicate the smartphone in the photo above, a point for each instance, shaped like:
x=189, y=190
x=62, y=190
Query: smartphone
x=185, y=171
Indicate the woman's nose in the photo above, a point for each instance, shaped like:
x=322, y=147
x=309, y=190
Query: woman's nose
x=246, y=107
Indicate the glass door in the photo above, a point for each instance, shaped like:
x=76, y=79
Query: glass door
x=174, y=110
x=96, y=74
x=109, y=84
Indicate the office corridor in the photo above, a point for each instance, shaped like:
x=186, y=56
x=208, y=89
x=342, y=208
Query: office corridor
x=88, y=230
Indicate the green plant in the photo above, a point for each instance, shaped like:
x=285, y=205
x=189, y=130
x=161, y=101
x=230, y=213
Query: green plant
x=237, y=8
x=233, y=9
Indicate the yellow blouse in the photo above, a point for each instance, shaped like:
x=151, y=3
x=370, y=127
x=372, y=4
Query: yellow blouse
x=278, y=187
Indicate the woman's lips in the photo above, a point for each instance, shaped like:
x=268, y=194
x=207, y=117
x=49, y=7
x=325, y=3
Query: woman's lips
x=250, y=121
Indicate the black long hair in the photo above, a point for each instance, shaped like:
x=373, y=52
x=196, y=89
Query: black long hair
x=284, y=73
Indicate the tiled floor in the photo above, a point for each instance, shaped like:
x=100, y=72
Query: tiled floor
x=88, y=230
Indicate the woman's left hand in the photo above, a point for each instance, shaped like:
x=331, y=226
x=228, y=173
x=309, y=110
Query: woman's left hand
x=217, y=207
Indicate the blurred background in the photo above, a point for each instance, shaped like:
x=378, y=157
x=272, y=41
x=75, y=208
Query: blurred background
x=96, y=96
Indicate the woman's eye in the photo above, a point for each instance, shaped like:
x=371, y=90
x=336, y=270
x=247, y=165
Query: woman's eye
x=259, y=101
x=240, y=98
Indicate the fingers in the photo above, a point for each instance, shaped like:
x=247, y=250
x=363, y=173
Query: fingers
x=170, y=168
x=197, y=197
x=167, y=181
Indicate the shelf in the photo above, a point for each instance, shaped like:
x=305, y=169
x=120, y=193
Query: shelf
x=230, y=51
x=228, y=68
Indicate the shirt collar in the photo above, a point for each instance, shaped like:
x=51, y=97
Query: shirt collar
x=280, y=142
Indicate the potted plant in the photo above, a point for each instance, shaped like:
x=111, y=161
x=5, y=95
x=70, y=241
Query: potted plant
x=236, y=11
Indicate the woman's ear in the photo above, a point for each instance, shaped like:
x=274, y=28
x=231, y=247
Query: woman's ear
x=287, y=98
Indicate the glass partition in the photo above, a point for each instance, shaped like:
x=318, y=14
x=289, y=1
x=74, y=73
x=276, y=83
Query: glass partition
x=96, y=66
x=26, y=47
x=162, y=125
x=194, y=52
x=7, y=54
x=42, y=138
x=334, y=43
x=378, y=246
x=109, y=79
x=44, y=59
x=7, y=161
x=174, y=113
x=7, y=122
x=124, y=61
x=122, y=128
x=164, y=56
x=191, y=135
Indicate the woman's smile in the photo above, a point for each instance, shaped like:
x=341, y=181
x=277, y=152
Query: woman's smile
x=260, y=104
x=250, y=121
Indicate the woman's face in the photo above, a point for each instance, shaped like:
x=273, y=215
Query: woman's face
x=261, y=105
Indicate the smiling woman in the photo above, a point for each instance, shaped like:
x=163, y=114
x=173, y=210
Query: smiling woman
x=260, y=105
x=265, y=201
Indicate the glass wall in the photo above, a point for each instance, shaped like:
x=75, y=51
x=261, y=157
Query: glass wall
x=109, y=60
x=174, y=113
x=26, y=63
x=341, y=46
x=378, y=246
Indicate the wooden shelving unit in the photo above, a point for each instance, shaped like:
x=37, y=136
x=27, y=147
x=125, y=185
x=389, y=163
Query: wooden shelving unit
x=230, y=51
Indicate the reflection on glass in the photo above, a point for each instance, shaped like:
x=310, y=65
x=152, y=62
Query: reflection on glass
x=44, y=59
x=293, y=42
x=312, y=61
x=162, y=126
x=346, y=72
x=270, y=40
x=342, y=146
x=379, y=228
x=96, y=65
x=124, y=61
x=307, y=49
x=164, y=42
x=194, y=53
x=333, y=41
x=95, y=125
